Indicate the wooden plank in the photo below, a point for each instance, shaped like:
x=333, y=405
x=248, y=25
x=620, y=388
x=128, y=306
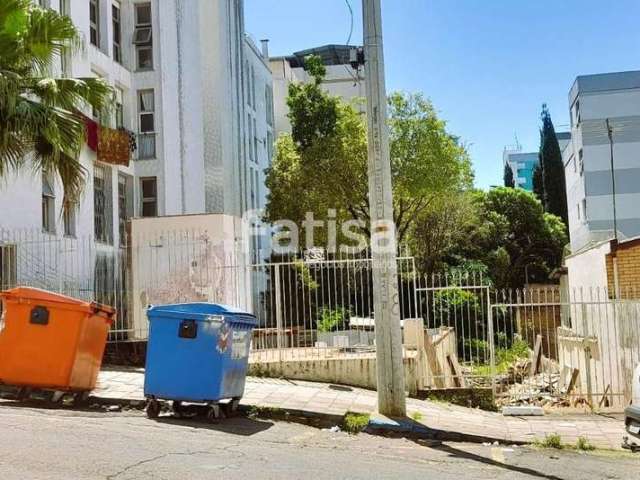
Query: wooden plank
x=456, y=371
x=432, y=360
x=444, y=334
x=574, y=380
x=604, y=396
x=537, y=356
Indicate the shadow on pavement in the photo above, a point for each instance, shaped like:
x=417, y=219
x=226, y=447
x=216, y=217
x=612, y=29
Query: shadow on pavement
x=455, y=452
x=432, y=438
x=242, y=426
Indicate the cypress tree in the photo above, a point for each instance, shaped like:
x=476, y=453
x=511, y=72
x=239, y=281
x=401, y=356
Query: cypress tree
x=508, y=176
x=538, y=183
x=555, y=195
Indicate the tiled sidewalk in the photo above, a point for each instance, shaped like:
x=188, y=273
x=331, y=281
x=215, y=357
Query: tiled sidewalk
x=324, y=399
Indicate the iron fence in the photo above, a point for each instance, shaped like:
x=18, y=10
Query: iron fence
x=538, y=345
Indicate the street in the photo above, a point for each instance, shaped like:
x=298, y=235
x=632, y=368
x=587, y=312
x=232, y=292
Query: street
x=66, y=444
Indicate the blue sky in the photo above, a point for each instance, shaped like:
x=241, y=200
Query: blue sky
x=487, y=65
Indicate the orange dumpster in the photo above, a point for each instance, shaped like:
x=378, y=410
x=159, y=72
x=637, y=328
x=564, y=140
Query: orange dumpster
x=50, y=341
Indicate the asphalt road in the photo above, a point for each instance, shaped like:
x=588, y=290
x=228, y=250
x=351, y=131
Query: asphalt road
x=73, y=445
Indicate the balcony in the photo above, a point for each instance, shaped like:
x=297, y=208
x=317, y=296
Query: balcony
x=146, y=146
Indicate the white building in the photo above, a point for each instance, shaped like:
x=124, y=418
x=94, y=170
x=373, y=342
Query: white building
x=259, y=104
x=197, y=94
x=587, y=157
x=179, y=71
x=342, y=79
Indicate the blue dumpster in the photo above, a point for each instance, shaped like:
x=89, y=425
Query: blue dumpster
x=197, y=353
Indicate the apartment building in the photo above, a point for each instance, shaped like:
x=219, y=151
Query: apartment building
x=342, y=79
x=260, y=138
x=605, y=123
x=179, y=72
x=522, y=164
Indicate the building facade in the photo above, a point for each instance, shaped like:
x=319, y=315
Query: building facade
x=179, y=73
x=595, y=100
x=341, y=80
x=522, y=164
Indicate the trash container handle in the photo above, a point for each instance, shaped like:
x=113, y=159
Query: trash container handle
x=188, y=329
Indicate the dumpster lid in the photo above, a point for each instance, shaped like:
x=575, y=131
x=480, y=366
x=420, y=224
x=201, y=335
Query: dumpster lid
x=198, y=309
x=39, y=295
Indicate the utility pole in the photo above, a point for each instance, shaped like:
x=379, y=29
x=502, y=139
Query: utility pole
x=389, y=364
x=613, y=180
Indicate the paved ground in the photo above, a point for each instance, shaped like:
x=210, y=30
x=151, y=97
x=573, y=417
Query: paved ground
x=602, y=431
x=39, y=444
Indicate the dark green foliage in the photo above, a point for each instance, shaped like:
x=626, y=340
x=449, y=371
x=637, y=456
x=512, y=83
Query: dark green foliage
x=555, y=195
x=508, y=176
x=538, y=183
x=509, y=231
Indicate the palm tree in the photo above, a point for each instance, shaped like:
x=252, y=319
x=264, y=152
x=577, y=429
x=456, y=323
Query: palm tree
x=40, y=120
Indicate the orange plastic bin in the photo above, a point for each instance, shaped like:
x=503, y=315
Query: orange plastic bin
x=50, y=341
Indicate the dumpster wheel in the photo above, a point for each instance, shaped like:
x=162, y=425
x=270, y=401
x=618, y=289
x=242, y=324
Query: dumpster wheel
x=215, y=414
x=178, y=410
x=153, y=409
x=231, y=409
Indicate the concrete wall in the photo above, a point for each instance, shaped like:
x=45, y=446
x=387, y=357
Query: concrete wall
x=358, y=371
x=187, y=258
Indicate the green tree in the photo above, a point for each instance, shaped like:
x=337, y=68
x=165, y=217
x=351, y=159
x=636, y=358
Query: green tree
x=512, y=232
x=555, y=195
x=322, y=165
x=39, y=113
x=538, y=183
x=508, y=176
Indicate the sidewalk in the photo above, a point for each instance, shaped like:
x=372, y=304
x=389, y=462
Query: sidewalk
x=335, y=400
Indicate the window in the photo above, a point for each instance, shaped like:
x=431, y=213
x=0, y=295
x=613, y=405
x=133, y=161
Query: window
x=146, y=124
x=248, y=74
x=577, y=112
x=119, y=108
x=94, y=22
x=584, y=210
x=125, y=205
x=253, y=87
x=581, y=161
x=65, y=59
x=255, y=141
x=48, y=205
x=269, y=147
x=268, y=100
x=253, y=192
x=102, y=203
x=250, y=136
x=69, y=219
x=142, y=36
x=149, y=196
x=117, y=32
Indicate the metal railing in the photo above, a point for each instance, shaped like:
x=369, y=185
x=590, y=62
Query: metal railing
x=538, y=345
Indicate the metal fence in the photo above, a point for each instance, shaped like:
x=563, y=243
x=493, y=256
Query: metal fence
x=537, y=345
x=321, y=307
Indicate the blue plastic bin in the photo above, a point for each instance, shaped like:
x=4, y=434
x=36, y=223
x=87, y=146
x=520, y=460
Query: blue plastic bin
x=197, y=353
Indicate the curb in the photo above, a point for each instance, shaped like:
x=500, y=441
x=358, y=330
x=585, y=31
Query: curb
x=407, y=426
x=378, y=425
